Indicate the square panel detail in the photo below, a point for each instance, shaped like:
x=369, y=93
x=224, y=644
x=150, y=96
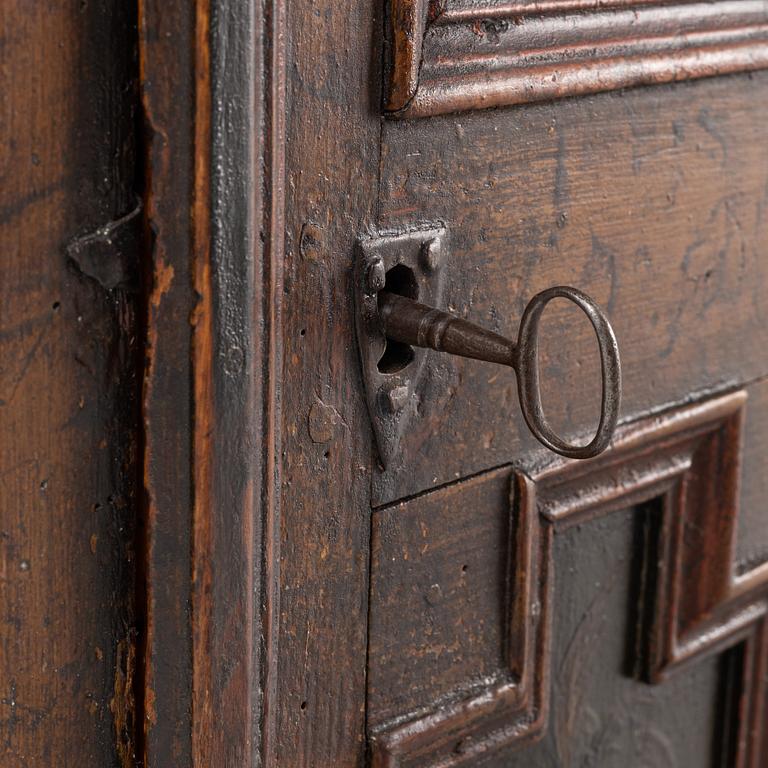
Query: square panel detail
x=438, y=618
x=460, y=665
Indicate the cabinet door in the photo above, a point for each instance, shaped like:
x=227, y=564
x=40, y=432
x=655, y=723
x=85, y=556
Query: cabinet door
x=470, y=598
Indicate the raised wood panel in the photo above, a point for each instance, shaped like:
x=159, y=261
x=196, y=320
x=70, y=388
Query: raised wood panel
x=599, y=715
x=439, y=574
x=653, y=201
x=454, y=55
x=693, y=602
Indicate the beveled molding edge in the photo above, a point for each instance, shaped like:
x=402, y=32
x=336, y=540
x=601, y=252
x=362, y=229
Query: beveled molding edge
x=694, y=602
x=455, y=55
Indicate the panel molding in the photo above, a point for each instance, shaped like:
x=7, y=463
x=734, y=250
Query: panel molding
x=214, y=111
x=456, y=55
x=696, y=603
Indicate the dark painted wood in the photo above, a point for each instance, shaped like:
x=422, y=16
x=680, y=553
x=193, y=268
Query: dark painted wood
x=70, y=320
x=212, y=90
x=167, y=44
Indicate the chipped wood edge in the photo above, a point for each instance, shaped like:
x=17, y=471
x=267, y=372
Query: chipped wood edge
x=407, y=24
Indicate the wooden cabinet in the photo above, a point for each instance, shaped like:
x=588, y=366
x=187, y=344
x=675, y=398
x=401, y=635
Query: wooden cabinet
x=479, y=601
x=210, y=560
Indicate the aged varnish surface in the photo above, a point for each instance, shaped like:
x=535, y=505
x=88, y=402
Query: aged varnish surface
x=452, y=55
x=636, y=607
x=207, y=561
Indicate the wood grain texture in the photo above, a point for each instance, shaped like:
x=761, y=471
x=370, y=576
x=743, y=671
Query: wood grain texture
x=214, y=110
x=651, y=201
x=264, y=156
x=693, y=602
x=456, y=56
x=270, y=111
x=332, y=140
x=246, y=663
x=439, y=572
x=167, y=40
x=69, y=384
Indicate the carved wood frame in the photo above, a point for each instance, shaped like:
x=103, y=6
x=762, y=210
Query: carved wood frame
x=454, y=55
x=695, y=603
x=214, y=109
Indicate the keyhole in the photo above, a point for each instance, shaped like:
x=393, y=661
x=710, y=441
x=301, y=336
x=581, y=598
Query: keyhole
x=401, y=281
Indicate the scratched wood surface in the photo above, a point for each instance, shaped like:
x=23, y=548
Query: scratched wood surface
x=271, y=607
x=167, y=56
x=653, y=201
x=477, y=657
x=439, y=570
x=453, y=56
x=332, y=136
x=598, y=715
x=68, y=386
x=210, y=86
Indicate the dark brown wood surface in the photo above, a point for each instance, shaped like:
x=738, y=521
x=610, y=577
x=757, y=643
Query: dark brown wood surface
x=167, y=58
x=439, y=573
x=453, y=55
x=653, y=201
x=212, y=93
x=70, y=330
x=204, y=561
x=321, y=556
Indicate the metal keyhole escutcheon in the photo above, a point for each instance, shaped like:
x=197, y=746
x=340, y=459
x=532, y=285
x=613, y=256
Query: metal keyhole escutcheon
x=400, y=283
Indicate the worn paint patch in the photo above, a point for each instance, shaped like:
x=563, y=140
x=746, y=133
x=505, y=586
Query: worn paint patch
x=163, y=280
x=312, y=242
